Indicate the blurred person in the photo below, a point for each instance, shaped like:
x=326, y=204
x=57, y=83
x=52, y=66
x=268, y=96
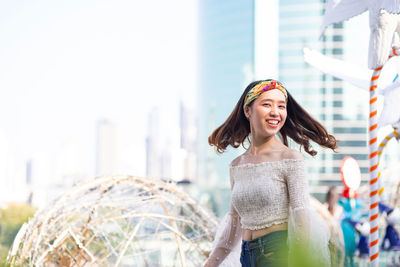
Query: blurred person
x=334, y=215
x=270, y=209
x=331, y=203
x=352, y=212
x=391, y=241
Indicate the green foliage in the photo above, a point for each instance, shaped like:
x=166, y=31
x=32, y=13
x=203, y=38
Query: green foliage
x=11, y=220
x=3, y=255
x=303, y=257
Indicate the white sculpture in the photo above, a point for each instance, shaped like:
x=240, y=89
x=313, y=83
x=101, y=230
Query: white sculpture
x=117, y=221
x=359, y=77
x=384, y=22
x=391, y=112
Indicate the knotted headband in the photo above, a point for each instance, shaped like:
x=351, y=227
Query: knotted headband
x=262, y=87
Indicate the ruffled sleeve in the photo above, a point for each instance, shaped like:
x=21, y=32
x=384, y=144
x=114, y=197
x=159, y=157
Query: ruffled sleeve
x=299, y=198
x=307, y=230
x=226, y=245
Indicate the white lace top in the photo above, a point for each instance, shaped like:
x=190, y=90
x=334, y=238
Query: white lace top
x=262, y=192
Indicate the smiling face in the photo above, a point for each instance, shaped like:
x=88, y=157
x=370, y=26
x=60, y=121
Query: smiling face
x=267, y=114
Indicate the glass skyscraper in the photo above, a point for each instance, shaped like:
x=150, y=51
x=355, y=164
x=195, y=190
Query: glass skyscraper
x=230, y=57
x=322, y=95
x=226, y=56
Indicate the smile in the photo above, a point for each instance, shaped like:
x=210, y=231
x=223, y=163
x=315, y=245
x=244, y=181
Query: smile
x=273, y=123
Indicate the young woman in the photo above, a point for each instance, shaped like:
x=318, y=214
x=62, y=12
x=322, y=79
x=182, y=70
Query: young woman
x=269, y=189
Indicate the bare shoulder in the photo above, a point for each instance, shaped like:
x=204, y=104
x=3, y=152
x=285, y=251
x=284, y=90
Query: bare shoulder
x=292, y=154
x=236, y=161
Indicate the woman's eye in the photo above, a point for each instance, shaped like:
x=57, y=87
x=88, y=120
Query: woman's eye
x=267, y=105
x=282, y=106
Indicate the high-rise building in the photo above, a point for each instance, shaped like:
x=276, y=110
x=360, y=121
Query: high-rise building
x=153, y=145
x=170, y=153
x=322, y=95
x=13, y=186
x=4, y=169
x=163, y=158
x=226, y=60
x=188, y=139
x=29, y=172
x=105, y=147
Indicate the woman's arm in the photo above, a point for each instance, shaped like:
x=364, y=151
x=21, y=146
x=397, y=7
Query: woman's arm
x=229, y=233
x=226, y=240
x=299, y=198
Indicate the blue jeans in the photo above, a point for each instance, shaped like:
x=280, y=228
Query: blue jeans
x=270, y=250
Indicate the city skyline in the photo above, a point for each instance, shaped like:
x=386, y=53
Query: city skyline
x=51, y=100
x=65, y=66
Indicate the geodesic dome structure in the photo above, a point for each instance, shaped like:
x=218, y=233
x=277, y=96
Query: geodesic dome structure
x=117, y=221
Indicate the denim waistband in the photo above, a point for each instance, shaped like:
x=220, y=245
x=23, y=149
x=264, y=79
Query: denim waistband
x=260, y=241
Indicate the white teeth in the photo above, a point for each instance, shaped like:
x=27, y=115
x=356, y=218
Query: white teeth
x=273, y=122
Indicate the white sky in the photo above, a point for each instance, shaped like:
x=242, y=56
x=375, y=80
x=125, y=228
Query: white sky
x=66, y=64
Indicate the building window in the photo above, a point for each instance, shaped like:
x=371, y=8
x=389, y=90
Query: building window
x=353, y=143
x=338, y=104
x=338, y=117
x=337, y=51
x=355, y=156
x=349, y=130
x=362, y=169
x=338, y=90
x=337, y=38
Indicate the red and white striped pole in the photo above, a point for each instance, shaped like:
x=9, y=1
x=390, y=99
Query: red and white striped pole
x=373, y=163
x=373, y=170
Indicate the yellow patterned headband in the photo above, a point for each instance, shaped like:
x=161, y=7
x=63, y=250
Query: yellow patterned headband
x=262, y=87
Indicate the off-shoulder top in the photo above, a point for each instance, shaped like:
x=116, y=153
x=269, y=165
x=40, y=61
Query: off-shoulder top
x=262, y=192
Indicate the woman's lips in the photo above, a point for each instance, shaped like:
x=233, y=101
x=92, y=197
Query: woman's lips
x=271, y=124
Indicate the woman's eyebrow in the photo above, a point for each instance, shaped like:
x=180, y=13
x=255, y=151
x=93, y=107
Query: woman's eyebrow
x=268, y=99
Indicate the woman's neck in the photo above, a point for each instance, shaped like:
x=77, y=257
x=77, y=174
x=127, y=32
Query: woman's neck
x=258, y=146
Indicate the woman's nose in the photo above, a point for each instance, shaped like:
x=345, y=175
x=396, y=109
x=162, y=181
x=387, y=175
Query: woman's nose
x=274, y=111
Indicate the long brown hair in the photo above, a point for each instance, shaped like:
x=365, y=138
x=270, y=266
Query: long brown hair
x=299, y=126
